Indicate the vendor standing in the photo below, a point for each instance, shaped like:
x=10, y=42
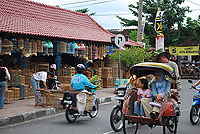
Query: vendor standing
x=3, y=74
x=40, y=76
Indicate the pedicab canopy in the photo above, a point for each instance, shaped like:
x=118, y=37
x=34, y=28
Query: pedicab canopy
x=146, y=68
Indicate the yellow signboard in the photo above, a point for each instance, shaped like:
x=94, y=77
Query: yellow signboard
x=184, y=51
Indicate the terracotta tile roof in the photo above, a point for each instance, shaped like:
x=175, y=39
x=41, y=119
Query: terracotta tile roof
x=130, y=43
x=31, y=18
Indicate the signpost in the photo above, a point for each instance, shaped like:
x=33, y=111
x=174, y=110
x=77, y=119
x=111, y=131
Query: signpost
x=119, y=41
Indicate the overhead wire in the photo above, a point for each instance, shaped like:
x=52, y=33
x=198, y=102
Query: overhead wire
x=193, y=2
x=77, y=2
x=93, y=3
x=112, y=14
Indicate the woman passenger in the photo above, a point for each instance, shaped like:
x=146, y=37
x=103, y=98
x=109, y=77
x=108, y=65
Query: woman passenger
x=159, y=88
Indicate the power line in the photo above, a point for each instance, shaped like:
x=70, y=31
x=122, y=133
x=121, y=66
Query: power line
x=193, y=3
x=77, y=2
x=112, y=14
x=94, y=3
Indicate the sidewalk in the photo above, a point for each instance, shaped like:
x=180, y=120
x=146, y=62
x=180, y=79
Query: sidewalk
x=23, y=110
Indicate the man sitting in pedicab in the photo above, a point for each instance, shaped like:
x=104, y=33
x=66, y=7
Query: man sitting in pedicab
x=159, y=88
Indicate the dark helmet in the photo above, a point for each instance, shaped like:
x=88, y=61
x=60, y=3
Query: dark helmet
x=80, y=68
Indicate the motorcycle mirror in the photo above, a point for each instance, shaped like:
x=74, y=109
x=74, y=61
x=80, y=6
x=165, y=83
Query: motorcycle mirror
x=115, y=84
x=190, y=81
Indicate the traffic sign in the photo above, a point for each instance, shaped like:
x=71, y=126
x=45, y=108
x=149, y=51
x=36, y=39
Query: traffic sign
x=120, y=40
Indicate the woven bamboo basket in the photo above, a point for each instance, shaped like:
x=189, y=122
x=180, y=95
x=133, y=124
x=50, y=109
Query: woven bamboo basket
x=34, y=47
x=39, y=46
x=90, y=53
x=27, y=50
x=6, y=47
x=64, y=45
x=20, y=42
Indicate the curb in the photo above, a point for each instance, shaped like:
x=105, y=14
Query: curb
x=40, y=113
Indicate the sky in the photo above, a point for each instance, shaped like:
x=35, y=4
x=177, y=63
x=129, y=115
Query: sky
x=106, y=9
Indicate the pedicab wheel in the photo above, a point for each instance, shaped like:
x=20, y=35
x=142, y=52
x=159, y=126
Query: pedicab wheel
x=93, y=114
x=129, y=127
x=194, y=115
x=116, y=120
x=170, y=125
x=69, y=116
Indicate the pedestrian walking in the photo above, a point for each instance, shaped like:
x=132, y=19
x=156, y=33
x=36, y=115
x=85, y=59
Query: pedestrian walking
x=3, y=75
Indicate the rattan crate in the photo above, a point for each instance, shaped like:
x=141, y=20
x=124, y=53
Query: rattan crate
x=98, y=64
x=64, y=79
x=107, y=82
x=26, y=71
x=89, y=102
x=59, y=72
x=9, y=96
x=16, y=92
x=106, y=72
x=42, y=67
x=28, y=79
x=66, y=86
x=69, y=71
x=31, y=92
x=17, y=80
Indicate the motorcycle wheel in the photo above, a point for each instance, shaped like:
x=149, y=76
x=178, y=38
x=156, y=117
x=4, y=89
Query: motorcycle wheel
x=93, y=114
x=170, y=125
x=69, y=116
x=116, y=121
x=129, y=127
x=194, y=115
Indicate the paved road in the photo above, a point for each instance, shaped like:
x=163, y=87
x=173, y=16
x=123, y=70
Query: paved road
x=57, y=124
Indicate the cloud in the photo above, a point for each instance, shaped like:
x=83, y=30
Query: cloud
x=113, y=7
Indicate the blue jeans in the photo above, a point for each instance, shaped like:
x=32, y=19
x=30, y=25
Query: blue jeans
x=35, y=86
x=3, y=89
x=138, y=109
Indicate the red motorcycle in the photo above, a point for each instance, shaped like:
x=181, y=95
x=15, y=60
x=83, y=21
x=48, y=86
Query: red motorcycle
x=169, y=112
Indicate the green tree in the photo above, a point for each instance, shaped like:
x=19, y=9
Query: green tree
x=132, y=55
x=85, y=10
x=133, y=37
x=191, y=30
x=174, y=14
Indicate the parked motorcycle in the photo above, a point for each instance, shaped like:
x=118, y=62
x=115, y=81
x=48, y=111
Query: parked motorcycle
x=195, y=109
x=116, y=121
x=70, y=103
x=53, y=83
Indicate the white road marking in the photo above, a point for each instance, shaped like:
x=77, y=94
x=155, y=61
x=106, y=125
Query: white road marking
x=185, y=109
x=109, y=132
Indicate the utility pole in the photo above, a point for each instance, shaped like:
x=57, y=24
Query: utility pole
x=139, y=37
x=159, y=8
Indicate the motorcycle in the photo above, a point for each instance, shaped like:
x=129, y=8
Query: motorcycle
x=195, y=109
x=72, y=111
x=116, y=121
x=53, y=83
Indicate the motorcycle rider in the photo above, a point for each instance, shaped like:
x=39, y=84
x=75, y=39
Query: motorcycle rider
x=79, y=81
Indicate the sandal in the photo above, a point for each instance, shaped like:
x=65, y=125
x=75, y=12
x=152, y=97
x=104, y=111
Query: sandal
x=153, y=115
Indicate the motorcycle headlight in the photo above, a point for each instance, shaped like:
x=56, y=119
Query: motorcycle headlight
x=120, y=92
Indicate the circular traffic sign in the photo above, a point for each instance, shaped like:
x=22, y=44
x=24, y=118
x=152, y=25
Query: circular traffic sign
x=120, y=40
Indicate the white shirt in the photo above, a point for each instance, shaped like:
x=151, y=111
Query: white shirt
x=7, y=73
x=40, y=76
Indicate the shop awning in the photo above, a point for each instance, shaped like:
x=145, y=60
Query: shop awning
x=31, y=18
